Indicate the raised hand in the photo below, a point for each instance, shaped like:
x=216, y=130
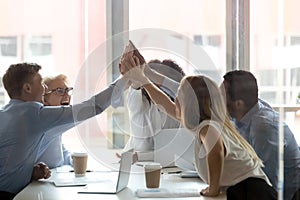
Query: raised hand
x=133, y=70
x=130, y=50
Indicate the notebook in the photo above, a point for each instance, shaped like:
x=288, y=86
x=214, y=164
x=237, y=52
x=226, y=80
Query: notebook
x=116, y=181
x=172, y=144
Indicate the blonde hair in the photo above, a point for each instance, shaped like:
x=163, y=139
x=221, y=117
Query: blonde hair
x=49, y=79
x=201, y=99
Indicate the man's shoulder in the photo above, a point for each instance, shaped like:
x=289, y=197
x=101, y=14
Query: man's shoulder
x=264, y=113
x=31, y=104
x=22, y=106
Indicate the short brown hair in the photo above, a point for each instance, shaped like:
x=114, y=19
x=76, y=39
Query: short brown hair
x=242, y=85
x=18, y=74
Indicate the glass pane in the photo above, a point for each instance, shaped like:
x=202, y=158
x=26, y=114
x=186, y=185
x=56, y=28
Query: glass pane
x=59, y=36
x=274, y=59
x=274, y=55
x=171, y=33
x=8, y=46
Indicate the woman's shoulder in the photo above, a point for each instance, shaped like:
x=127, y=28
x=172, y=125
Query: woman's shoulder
x=212, y=123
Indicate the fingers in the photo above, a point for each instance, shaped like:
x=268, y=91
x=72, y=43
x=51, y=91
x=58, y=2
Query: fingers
x=137, y=61
x=134, y=158
x=43, y=171
x=204, y=192
x=209, y=193
x=128, y=62
x=46, y=172
x=132, y=60
x=140, y=57
x=118, y=155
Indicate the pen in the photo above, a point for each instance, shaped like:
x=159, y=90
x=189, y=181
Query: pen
x=174, y=172
x=85, y=171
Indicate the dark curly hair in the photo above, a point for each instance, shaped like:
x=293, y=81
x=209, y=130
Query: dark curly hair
x=168, y=68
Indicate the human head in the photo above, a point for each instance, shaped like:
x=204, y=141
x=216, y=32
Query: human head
x=52, y=96
x=23, y=81
x=167, y=68
x=241, y=92
x=199, y=98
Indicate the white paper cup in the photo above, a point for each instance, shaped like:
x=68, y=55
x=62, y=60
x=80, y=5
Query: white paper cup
x=152, y=175
x=79, y=163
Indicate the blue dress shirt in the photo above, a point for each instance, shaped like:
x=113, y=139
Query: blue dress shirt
x=260, y=127
x=53, y=152
x=24, y=124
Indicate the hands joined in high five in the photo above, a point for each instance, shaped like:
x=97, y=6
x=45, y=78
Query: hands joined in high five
x=132, y=66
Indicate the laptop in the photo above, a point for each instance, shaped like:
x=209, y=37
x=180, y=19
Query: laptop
x=174, y=144
x=114, y=181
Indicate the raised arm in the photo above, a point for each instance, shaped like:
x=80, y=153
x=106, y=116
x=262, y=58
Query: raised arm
x=161, y=100
x=160, y=79
x=130, y=66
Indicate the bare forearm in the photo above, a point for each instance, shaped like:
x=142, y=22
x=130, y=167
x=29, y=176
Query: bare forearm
x=161, y=100
x=215, y=160
x=160, y=79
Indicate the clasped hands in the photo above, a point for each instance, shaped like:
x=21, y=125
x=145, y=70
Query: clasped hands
x=132, y=67
x=40, y=170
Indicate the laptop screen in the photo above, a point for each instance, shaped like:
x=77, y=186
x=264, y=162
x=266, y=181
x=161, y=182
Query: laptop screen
x=109, y=186
x=124, y=171
x=171, y=144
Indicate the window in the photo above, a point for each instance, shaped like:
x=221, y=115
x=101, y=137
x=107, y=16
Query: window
x=8, y=46
x=295, y=40
x=274, y=54
x=40, y=45
x=209, y=40
x=2, y=93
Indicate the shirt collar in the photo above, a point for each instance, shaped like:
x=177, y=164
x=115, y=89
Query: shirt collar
x=248, y=116
x=15, y=101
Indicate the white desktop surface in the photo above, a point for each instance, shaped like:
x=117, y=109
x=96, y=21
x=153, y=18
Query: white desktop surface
x=39, y=190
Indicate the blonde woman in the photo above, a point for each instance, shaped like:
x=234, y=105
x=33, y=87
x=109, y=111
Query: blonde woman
x=224, y=160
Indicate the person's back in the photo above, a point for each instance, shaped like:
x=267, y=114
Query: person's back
x=258, y=123
x=238, y=164
x=15, y=132
x=264, y=120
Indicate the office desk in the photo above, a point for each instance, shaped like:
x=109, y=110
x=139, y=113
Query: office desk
x=38, y=190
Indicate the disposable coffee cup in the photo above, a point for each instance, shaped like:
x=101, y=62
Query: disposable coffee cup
x=152, y=175
x=79, y=163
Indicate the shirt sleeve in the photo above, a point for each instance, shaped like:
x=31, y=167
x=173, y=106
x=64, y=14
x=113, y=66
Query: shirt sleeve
x=67, y=156
x=58, y=119
x=171, y=85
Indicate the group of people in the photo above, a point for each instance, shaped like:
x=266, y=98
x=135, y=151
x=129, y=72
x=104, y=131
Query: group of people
x=236, y=133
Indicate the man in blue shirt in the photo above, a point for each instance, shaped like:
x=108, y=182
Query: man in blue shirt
x=25, y=120
x=258, y=123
